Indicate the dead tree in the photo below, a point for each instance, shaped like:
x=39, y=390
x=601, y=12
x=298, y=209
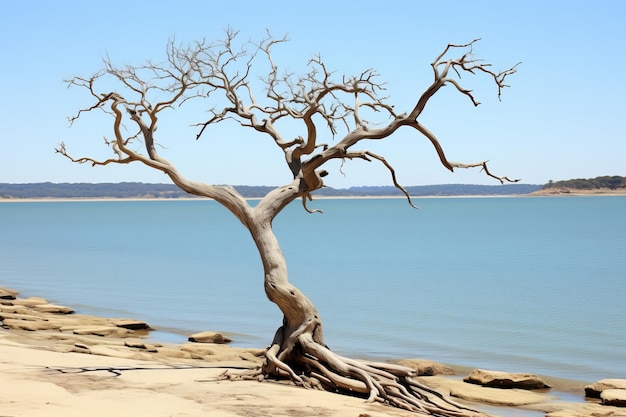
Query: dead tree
x=221, y=74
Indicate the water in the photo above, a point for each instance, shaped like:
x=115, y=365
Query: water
x=516, y=284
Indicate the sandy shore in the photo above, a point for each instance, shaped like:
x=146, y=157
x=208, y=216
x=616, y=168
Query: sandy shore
x=42, y=383
x=56, y=362
x=43, y=374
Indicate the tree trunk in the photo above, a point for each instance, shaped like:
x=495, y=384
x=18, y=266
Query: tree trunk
x=299, y=314
x=299, y=353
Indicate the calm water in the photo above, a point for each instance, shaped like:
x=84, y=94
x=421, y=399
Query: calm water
x=516, y=284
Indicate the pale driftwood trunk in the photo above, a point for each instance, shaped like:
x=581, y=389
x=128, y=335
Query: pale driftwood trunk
x=298, y=350
x=299, y=314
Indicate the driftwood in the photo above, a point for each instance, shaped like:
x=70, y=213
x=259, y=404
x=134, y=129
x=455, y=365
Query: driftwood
x=352, y=105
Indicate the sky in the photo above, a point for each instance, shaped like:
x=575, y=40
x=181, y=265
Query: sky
x=561, y=118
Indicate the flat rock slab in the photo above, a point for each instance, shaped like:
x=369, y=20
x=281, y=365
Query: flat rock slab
x=209, y=337
x=507, y=380
x=569, y=409
x=476, y=393
x=594, y=390
x=131, y=324
x=614, y=397
x=20, y=316
x=116, y=352
x=9, y=307
x=425, y=367
x=219, y=352
x=30, y=325
x=100, y=331
x=7, y=294
x=30, y=302
x=53, y=309
x=136, y=343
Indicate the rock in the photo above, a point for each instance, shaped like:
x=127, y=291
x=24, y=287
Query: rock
x=151, y=348
x=30, y=302
x=53, y=309
x=507, y=380
x=131, y=324
x=172, y=353
x=209, y=337
x=30, y=325
x=218, y=353
x=197, y=351
x=614, y=397
x=139, y=344
x=569, y=409
x=134, y=343
x=476, y=393
x=20, y=316
x=594, y=390
x=116, y=353
x=7, y=294
x=11, y=308
x=425, y=367
x=100, y=331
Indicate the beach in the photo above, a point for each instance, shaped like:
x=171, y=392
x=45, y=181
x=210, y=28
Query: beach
x=90, y=369
x=57, y=362
x=40, y=382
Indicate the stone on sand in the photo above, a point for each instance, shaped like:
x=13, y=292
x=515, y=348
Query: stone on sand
x=614, y=397
x=425, y=367
x=498, y=379
x=30, y=325
x=131, y=324
x=53, y=308
x=594, y=390
x=481, y=394
x=112, y=331
x=7, y=294
x=209, y=337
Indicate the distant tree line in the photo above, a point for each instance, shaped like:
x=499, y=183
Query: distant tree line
x=610, y=182
x=145, y=190
x=89, y=190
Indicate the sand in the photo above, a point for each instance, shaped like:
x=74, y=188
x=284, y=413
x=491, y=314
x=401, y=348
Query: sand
x=55, y=362
x=38, y=382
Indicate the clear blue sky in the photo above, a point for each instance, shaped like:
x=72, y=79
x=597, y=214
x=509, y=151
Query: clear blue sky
x=562, y=118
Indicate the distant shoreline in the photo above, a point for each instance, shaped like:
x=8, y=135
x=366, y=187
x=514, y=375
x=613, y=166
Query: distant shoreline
x=561, y=192
x=171, y=191
x=47, y=191
x=553, y=192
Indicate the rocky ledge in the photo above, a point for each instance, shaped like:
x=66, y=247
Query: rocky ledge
x=36, y=322
x=609, y=391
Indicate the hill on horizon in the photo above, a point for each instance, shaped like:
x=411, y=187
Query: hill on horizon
x=148, y=190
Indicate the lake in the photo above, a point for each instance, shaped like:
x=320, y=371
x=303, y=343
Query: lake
x=520, y=284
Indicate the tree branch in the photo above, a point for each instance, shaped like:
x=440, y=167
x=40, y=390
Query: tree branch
x=319, y=103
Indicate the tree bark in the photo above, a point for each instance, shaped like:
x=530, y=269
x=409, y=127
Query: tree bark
x=298, y=351
x=202, y=70
x=299, y=314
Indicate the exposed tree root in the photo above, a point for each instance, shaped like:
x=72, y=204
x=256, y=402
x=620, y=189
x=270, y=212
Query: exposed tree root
x=222, y=73
x=316, y=367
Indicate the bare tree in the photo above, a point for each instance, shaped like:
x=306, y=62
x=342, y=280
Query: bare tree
x=221, y=73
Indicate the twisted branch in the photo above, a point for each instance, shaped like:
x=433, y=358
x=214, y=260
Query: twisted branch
x=347, y=108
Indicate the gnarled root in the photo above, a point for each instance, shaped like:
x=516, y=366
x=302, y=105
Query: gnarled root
x=312, y=365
